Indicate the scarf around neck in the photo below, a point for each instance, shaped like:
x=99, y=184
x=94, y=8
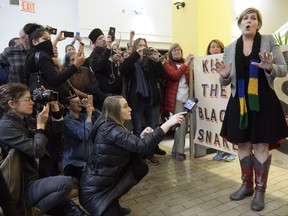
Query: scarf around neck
x=253, y=99
x=141, y=84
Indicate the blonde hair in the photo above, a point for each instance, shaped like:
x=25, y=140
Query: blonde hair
x=250, y=10
x=111, y=108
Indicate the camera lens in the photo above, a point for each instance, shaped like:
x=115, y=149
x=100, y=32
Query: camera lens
x=49, y=95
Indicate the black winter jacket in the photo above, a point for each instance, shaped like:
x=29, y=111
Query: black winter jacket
x=152, y=72
x=106, y=72
x=112, y=149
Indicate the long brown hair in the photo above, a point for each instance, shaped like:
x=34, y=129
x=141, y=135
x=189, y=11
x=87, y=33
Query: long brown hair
x=136, y=42
x=10, y=91
x=111, y=108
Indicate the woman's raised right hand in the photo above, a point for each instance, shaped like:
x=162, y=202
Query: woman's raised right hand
x=223, y=69
x=80, y=59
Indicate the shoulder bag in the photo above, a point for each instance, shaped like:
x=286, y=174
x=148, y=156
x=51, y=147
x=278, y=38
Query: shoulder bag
x=65, y=90
x=12, y=172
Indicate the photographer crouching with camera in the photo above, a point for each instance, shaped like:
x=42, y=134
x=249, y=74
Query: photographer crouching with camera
x=18, y=132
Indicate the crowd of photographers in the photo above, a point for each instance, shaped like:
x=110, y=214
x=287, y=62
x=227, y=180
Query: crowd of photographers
x=71, y=93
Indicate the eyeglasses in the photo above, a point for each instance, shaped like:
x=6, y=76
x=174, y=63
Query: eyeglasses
x=177, y=50
x=27, y=99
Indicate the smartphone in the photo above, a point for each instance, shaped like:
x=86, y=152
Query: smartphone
x=112, y=33
x=52, y=31
x=147, y=52
x=77, y=34
x=90, y=99
x=68, y=34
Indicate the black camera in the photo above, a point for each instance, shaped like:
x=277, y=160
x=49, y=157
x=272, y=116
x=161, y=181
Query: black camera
x=42, y=97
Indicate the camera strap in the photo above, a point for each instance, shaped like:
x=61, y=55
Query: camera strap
x=39, y=72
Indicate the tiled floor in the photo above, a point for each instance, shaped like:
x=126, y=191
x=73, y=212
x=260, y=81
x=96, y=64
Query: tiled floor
x=201, y=187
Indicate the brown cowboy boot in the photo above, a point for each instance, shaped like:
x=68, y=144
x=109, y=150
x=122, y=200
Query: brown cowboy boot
x=261, y=177
x=246, y=188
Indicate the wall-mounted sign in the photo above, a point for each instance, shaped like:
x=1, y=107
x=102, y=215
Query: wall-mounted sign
x=27, y=6
x=15, y=2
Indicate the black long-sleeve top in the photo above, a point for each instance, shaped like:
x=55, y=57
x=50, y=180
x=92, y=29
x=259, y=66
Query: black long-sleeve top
x=47, y=67
x=106, y=72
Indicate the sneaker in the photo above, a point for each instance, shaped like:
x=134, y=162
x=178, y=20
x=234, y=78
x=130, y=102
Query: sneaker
x=180, y=157
x=230, y=157
x=173, y=155
x=220, y=155
x=159, y=151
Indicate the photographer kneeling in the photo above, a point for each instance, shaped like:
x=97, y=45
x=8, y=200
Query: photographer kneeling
x=19, y=133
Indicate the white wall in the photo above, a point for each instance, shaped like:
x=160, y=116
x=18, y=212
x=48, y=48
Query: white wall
x=274, y=13
x=153, y=20
x=61, y=14
x=154, y=23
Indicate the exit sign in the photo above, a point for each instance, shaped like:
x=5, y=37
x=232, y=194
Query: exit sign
x=27, y=6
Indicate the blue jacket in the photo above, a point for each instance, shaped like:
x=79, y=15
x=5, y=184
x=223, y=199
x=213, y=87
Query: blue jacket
x=76, y=146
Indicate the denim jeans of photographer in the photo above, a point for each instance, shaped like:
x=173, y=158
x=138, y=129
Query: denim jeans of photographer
x=145, y=115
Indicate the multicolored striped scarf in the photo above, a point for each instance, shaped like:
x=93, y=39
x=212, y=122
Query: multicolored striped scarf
x=253, y=99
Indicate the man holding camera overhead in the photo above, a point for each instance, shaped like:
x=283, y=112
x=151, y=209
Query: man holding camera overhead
x=104, y=63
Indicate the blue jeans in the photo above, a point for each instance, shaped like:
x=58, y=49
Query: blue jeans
x=144, y=114
x=48, y=192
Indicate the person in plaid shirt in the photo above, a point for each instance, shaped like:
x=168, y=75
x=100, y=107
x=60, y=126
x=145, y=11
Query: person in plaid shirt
x=12, y=59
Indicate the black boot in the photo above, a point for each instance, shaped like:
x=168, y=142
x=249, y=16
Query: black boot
x=74, y=210
x=125, y=210
x=123, y=186
x=261, y=177
x=246, y=188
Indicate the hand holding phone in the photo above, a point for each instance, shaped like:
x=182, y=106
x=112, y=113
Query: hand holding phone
x=147, y=52
x=112, y=33
x=68, y=34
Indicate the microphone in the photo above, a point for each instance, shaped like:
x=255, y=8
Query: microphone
x=189, y=107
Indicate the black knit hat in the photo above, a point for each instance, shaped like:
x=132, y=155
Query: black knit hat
x=94, y=34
